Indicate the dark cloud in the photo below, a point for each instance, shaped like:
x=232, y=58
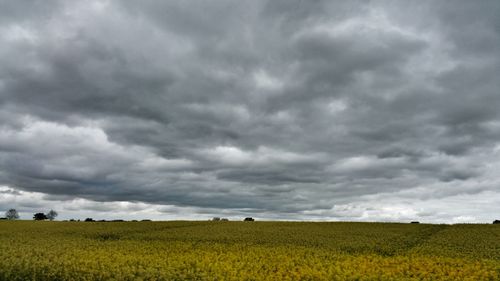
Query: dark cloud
x=283, y=108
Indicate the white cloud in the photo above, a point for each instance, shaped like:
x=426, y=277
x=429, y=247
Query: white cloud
x=265, y=81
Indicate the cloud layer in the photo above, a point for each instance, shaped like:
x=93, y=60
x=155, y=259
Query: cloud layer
x=317, y=110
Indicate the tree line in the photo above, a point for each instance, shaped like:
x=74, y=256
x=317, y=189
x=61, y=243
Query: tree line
x=13, y=214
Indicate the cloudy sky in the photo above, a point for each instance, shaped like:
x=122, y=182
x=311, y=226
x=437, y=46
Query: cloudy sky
x=290, y=110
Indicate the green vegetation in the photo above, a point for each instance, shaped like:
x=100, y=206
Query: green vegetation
x=185, y=250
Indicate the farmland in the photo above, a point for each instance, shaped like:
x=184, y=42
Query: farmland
x=190, y=250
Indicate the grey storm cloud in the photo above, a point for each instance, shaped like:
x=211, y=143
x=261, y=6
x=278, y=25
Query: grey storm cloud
x=286, y=109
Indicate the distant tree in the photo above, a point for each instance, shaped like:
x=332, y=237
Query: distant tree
x=51, y=215
x=12, y=214
x=248, y=219
x=89, y=219
x=496, y=222
x=39, y=217
x=216, y=219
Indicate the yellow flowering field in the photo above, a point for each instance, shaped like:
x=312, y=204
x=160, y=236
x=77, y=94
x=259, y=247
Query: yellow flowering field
x=189, y=250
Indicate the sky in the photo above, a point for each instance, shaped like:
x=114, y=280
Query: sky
x=278, y=110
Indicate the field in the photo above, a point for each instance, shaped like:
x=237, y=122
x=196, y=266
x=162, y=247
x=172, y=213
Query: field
x=187, y=250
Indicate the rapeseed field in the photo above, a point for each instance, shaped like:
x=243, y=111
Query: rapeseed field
x=188, y=250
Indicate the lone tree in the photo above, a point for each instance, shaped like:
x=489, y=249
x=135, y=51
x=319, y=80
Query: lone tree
x=12, y=214
x=39, y=217
x=51, y=215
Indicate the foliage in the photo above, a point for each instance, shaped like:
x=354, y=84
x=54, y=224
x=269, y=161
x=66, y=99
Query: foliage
x=12, y=214
x=51, y=215
x=185, y=250
x=39, y=217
